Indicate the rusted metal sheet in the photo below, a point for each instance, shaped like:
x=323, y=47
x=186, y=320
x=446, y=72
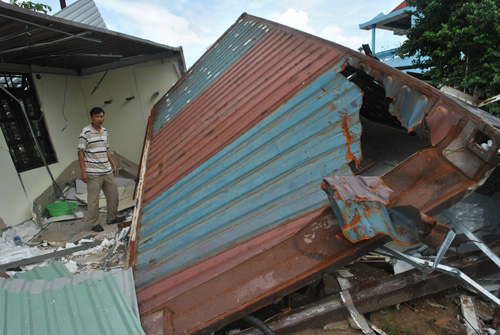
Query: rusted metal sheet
x=236, y=157
x=283, y=268
x=269, y=175
x=361, y=204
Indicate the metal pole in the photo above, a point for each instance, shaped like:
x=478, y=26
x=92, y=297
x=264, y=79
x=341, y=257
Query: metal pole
x=374, y=26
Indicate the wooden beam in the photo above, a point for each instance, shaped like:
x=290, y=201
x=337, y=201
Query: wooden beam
x=373, y=295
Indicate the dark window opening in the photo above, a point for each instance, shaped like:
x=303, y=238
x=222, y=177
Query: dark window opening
x=385, y=142
x=375, y=102
x=15, y=128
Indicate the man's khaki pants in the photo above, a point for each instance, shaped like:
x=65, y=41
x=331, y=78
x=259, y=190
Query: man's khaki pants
x=107, y=183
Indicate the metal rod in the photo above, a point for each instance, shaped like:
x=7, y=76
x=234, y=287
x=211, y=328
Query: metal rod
x=346, y=298
x=102, y=78
x=444, y=247
x=420, y=264
x=43, y=44
x=470, y=235
x=49, y=28
x=358, y=318
x=78, y=54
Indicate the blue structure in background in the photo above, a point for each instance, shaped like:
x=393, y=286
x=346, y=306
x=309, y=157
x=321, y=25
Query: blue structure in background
x=397, y=21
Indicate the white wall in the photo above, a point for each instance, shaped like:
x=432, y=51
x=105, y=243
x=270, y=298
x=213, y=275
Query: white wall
x=13, y=203
x=126, y=121
x=66, y=102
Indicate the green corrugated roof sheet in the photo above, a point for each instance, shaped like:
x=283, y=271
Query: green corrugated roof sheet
x=91, y=307
x=48, y=301
x=50, y=272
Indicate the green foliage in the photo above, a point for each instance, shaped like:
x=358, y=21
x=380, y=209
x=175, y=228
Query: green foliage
x=458, y=41
x=37, y=7
x=390, y=328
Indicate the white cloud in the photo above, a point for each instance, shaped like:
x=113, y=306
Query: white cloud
x=295, y=19
x=337, y=35
x=196, y=24
x=152, y=22
x=155, y=23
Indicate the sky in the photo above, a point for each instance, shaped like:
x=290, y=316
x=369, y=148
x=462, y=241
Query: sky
x=197, y=24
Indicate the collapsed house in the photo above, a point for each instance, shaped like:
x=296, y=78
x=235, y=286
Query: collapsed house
x=278, y=157
x=60, y=69
x=231, y=213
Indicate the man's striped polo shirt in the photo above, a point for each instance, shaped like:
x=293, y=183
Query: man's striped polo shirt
x=95, y=146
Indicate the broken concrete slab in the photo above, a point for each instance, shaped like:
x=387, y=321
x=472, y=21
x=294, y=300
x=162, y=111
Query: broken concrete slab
x=66, y=182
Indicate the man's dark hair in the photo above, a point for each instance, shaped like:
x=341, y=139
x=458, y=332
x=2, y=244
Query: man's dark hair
x=96, y=110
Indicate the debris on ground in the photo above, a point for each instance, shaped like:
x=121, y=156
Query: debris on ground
x=458, y=310
x=80, y=249
x=430, y=306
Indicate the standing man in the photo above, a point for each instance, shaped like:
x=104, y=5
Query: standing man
x=98, y=169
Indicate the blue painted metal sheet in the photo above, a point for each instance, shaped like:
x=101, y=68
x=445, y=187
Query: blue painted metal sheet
x=268, y=176
x=361, y=204
x=255, y=85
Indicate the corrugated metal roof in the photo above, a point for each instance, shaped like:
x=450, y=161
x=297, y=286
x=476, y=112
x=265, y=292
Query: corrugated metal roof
x=83, y=304
x=83, y=11
x=51, y=272
x=236, y=156
x=38, y=42
x=258, y=182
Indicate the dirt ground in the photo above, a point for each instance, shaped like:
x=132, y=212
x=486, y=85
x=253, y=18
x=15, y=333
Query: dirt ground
x=437, y=314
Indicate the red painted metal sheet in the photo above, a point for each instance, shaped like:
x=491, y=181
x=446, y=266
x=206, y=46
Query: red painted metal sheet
x=402, y=5
x=188, y=279
x=262, y=80
x=283, y=268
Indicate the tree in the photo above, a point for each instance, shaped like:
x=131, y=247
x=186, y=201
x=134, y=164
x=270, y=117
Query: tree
x=458, y=42
x=37, y=7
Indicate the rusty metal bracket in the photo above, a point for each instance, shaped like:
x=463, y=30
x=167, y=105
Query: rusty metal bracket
x=361, y=205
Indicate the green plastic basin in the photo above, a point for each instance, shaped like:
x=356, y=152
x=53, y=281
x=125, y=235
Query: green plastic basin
x=61, y=208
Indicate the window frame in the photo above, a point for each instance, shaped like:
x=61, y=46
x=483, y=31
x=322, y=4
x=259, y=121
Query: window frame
x=22, y=147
